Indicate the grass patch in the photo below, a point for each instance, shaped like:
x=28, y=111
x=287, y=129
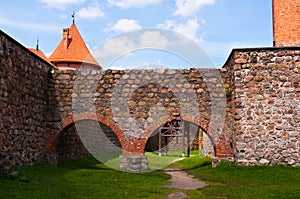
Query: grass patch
x=195, y=161
x=82, y=178
x=157, y=162
x=234, y=181
x=87, y=178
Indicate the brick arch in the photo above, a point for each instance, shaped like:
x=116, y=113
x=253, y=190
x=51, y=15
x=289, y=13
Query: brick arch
x=221, y=142
x=52, y=140
x=220, y=147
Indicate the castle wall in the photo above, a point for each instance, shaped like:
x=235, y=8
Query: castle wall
x=140, y=101
x=23, y=102
x=261, y=108
x=266, y=95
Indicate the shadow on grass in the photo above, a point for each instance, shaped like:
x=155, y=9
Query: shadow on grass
x=83, y=163
x=82, y=178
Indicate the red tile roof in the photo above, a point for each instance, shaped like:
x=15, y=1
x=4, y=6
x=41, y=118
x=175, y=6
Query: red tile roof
x=39, y=53
x=72, y=48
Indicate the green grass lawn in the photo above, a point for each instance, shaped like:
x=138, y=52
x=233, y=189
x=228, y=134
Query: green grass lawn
x=87, y=178
x=155, y=161
x=83, y=178
x=233, y=181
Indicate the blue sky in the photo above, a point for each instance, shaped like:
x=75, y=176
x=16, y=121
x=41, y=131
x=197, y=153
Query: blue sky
x=215, y=25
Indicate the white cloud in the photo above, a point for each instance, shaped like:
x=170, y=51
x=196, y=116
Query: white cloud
x=125, y=4
x=168, y=24
x=91, y=11
x=187, y=8
x=121, y=46
x=48, y=54
x=126, y=44
x=114, y=48
x=125, y=25
x=153, y=39
x=60, y=4
x=113, y=67
x=189, y=29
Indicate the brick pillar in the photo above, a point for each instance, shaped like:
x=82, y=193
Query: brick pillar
x=52, y=132
x=133, y=158
x=223, y=148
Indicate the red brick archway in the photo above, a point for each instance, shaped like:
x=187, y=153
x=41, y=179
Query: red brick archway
x=52, y=137
x=132, y=145
x=221, y=145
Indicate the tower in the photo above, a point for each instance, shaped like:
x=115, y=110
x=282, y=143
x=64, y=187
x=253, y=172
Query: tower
x=286, y=23
x=72, y=52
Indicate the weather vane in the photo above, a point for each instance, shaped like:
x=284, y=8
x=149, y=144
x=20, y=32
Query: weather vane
x=73, y=16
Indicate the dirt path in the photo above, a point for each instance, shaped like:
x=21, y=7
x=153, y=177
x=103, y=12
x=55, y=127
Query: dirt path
x=181, y=180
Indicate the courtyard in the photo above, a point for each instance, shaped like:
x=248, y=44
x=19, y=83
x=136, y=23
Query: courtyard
x=87, y=178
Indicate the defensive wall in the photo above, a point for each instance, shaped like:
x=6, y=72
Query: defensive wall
x=249, y=108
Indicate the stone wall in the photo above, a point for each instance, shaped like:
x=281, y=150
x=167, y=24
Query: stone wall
x=140, y=101
x=69, y=145
x=74, y=140
x=249, y=109
x=207, y=146
x=23, y=102
x=266, y=94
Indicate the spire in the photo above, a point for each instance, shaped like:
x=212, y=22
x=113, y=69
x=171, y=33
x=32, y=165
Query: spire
x=73, y=16
x=37, y=44
x=38, y=52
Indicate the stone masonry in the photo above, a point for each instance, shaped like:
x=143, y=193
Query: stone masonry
x=257, y=123
x=134, y=109
x=266, y=92
x=23, y=102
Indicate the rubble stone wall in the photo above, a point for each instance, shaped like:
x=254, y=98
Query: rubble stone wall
x=266, y=94
x=140, y=101
x=85, y=138
x=257, y=123
x=23, y=102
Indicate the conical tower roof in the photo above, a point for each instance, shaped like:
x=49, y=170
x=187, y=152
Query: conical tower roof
x=72, y=49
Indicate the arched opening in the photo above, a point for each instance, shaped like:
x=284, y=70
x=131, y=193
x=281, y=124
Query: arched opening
x=69, y=145
x=195, y=138
x=84, y=138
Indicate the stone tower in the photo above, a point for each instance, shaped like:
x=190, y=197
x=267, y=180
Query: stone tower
x=286, y=22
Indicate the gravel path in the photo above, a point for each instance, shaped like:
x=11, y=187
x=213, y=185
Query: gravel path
x=181, y=180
